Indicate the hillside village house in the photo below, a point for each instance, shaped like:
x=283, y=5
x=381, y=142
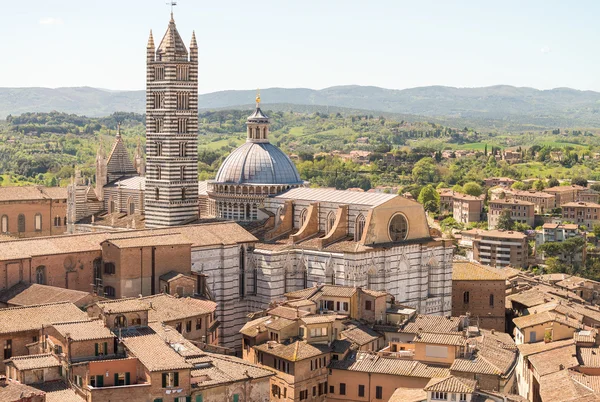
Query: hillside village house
x=565, y=194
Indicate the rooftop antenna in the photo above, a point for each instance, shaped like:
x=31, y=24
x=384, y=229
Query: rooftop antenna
x=172, y=4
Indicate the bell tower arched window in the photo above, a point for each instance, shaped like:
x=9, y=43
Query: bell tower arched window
x=21, y=223
x=359, y=227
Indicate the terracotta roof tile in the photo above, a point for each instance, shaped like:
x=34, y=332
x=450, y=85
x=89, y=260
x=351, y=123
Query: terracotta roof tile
x=288, y=312
x=15, y=391
x=322, y=318
x=472, y=271
x=432, y=324
x=31, y=362
x=360, y=334
x=371, y=363
x=84, y=330
x=26, y=294
x=528, y=349
x=154, y=353
x=440, y=339
x=277, y=323
x=451, y=384
x=541, y=318
x=293, y=351
x=17, y=319
x=554, y=360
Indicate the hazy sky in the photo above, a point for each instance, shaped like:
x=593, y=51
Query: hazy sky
x=246, y=44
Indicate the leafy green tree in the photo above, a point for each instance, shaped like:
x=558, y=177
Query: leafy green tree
x=472, y=188
x=429, y=198
x=553, y=182
x=505, y=222
x=579, y=181
x=518, y=185
x=441, y=185
x=520, y=227
x=458, y=188
x=539, y=185
x=425, y=171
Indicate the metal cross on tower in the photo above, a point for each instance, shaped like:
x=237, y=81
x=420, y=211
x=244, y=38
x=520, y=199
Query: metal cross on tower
x=172, y=4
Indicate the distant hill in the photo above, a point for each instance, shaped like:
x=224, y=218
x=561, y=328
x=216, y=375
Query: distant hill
x=498, y=105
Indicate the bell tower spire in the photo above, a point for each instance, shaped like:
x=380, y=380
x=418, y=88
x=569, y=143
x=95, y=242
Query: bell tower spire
x=171, y=131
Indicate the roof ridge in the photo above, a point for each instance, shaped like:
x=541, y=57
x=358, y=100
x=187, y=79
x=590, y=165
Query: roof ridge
x=31, y=356
x=36, y=305
x=75, y=322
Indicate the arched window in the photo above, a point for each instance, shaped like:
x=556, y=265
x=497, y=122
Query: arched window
x=65, y=220
x=38, y=222
x=182, y=172
x=156, y=193
x=40, y=275
x=303, y=216
x=159, y=148
x=183, y=193
x=466, y=297
x=109, y=291
x=111, y=205
x=330, y=221
x=242, y=273
x=120, y=320
x=4, y=224
x=158, y=173
x=57, y=221
x=21, y=223
x=359, y=227
x=491, y=300
x=131, y=207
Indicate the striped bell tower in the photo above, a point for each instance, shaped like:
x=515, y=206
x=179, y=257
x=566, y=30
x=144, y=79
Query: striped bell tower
x=171, y=196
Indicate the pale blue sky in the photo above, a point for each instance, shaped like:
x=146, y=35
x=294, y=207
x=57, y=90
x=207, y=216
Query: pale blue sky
x=311, y=43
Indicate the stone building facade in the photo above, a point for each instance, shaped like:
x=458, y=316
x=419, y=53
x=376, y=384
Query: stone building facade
x=33, y=211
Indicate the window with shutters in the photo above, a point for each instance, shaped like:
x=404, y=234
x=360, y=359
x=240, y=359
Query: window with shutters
x=170, y=379
x=361, y=390
x=188, y=326
x=342, y=388
x=378, y=392
x=198, y=323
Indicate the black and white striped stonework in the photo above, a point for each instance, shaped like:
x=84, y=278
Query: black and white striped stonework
x=171, y=196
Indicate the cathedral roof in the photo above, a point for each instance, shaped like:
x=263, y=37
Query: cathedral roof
x=172, y=42
x=258, y=163
x=118, y=160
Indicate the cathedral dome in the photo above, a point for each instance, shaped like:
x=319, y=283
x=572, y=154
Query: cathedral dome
x=258, y=163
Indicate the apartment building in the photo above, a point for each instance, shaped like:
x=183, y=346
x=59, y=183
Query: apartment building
x=499, y=181
x=543, y=202
x=565, y=194
x=499, y=248
x=520, y=211
x=582, y=213
x=463, y=207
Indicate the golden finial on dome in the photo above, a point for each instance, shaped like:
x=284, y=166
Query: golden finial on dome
x=257, y=97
